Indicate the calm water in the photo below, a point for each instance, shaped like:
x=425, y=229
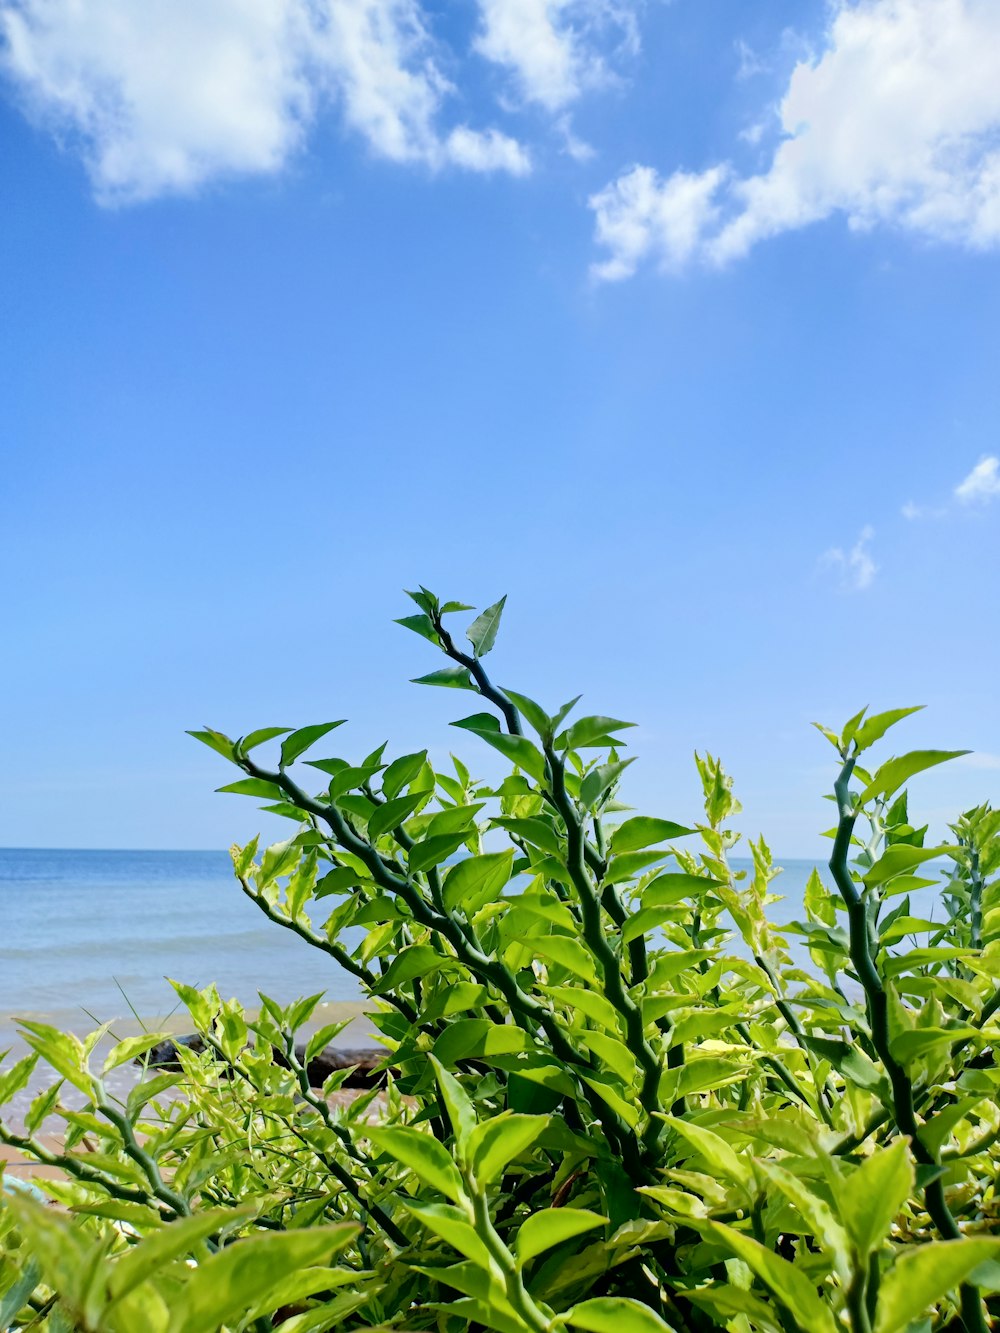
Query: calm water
x=76, y=925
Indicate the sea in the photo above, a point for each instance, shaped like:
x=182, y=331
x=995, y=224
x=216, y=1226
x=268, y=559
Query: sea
x=90, y=936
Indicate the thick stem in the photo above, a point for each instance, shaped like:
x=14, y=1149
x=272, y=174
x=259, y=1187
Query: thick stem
x=877, y=1002
x=597, y=941
x=517, y=1293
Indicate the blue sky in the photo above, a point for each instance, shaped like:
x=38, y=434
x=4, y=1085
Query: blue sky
x=675, y=322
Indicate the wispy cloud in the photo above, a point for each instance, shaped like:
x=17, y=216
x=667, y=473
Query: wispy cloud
x=556, y=49
x=856, y=566
x=165, y=95
x=978, y=487
x=896, y=122
x=980, y=759
x=982, y=484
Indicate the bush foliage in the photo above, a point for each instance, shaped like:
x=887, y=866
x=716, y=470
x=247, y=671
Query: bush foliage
x=614, y=1099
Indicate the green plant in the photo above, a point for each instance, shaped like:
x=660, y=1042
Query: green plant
x=614, y=1101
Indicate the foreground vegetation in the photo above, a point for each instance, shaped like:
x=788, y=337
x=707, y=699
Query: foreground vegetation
x=613, y=1100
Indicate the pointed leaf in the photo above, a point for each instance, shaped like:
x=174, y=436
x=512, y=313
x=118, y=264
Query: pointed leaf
x=299, y=741
x=482, y=633
x=925, y=1274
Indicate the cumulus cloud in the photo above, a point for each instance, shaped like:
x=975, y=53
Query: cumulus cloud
x=895, y=122
x=553, y=48
x=163, y=95
x=982, y=484
x=638, y=215
x=856, y=567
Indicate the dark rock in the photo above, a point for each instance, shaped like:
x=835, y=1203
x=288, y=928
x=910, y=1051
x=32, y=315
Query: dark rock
x=363, y=1064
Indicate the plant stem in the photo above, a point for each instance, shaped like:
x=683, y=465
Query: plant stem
x=877, y=1002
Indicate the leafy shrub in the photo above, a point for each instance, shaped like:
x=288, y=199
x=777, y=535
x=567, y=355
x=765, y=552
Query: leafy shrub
x=614, y=1101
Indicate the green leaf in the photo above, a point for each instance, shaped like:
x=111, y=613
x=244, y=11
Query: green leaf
x=432, y=851
x=16, y=1078
x=699, y=1075
x=457, y=1102
x=899, y=859
x=518, y=749
x=451, y=1224
x=268, y=791
x=568, y=953
x=215, y=740
x=61, y=1050
x=416, y=960
x=478, y=722
x=626, y=865
x=16, y=1296
x=552, y=1226
x=644, y=832
x=891, y=776
x=672, y=888
x=258, y=737
x=131, y=1047
x=878, y=724
x=162, y=1247
x=242, y=1277
x=850, y=1061
x=913, y=1045
x=599, y=779
x=482, y=633
x=300, y=741
x=790, y=1285
x=615, y=1314
x=429, y=1160
x=419, y=625
x=714, y=1151
x=477, y=881
x=535, y=714
x=424, y=599
x=494, y=1144
x=478, y=1036
x=401, y=772
x=925, y=1274
x=538, y=832
x=453, y=678
x=872, y=1197
x=391, y=815
x=587, y=732
x=817, y=1214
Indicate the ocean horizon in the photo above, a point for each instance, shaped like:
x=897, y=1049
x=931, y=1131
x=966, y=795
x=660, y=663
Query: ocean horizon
x=92, y=935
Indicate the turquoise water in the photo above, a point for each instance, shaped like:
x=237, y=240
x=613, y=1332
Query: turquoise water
x=77, y=925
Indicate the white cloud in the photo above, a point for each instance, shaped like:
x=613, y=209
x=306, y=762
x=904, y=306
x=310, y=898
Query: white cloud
x=856, y=566
x=551, y=47
x=163, y=95
x=895, y=123
x=982, y=484
x=638, y=215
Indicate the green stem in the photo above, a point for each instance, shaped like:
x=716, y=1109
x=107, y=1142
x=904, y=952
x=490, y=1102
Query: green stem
x=517, y=1293
x=143, y=1160
x=498, y=975
x=593, y=931
x=80, y=1170
x=877, y=1002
